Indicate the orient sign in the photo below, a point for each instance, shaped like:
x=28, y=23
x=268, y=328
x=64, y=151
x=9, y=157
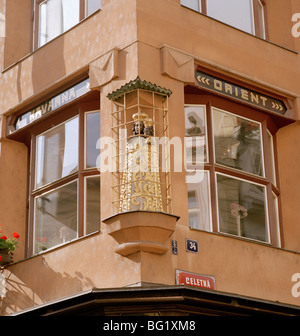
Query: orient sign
x=240, y=93
x=195, y=280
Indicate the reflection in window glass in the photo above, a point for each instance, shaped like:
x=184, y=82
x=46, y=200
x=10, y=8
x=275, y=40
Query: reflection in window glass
x=193, y=4
x=195, y=135
x=237, y=13
x=92, y=6
x=57, y=153
x=199, y=200
x=237, y=142
x=56, y=17
x=56, y=217
x=241, y=208
x=92, y=209
x=92, y=136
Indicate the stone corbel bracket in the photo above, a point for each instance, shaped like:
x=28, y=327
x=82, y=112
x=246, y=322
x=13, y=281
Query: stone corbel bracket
x=104, y=69
x=177, y=64
x=137, y=231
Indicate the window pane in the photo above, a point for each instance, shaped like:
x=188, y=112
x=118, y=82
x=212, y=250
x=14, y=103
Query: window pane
x=92, y=6
x=92, y=208
x=276, y=217
x=193, y=4
x=199, y=201
x=242, y=208
x=271, y=158
x=195, y=135
x=55, y=217
x=237, y=13
x=44, y=35
x=50, y=20
x=92, y=136
x=237, y=142
x=55, y=17
x=57, y=153
x=70, y=10
x=261, y=20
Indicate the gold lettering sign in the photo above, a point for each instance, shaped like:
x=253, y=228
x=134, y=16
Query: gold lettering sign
x=240, y=93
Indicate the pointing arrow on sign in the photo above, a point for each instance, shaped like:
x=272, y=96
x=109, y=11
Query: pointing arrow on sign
x=277, y=106
x=203, y=80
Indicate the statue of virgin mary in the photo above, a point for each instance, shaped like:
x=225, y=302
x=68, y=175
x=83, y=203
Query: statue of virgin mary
x=140, y=188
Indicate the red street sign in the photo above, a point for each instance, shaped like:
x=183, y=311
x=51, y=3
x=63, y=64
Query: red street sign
x=195, y=280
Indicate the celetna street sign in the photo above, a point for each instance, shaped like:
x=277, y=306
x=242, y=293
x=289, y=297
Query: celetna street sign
x=195, y=280
x=240, y=93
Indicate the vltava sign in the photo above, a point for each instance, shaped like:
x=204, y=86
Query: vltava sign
x=240, y=93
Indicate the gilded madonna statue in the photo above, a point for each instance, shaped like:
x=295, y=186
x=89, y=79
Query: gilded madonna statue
x=140, y=187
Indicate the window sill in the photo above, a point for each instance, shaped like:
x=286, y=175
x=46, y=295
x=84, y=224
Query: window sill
x=242, y=31
x=53, y=248
x=44, y=45
x=66, y=243
x=68, y=30
x=244, y=239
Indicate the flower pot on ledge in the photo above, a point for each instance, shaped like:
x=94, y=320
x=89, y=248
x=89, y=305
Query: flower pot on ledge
x=137, y=231
x=5, y=257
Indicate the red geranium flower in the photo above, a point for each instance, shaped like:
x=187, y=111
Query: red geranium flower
x=9, y=243
x=16, y=235
x=1, y=258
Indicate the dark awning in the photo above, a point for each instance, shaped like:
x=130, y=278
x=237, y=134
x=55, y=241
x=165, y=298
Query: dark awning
x=161, y=300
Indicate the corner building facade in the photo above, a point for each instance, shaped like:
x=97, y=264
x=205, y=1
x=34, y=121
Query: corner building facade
x=207, y=94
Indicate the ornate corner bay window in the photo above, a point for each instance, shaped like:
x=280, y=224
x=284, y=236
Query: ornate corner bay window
x=247, y=15
x=231, y=169
x=54, y=17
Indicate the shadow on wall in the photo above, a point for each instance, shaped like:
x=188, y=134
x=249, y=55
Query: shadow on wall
x=24, y=291
x=48, y=64
x=32, y=69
